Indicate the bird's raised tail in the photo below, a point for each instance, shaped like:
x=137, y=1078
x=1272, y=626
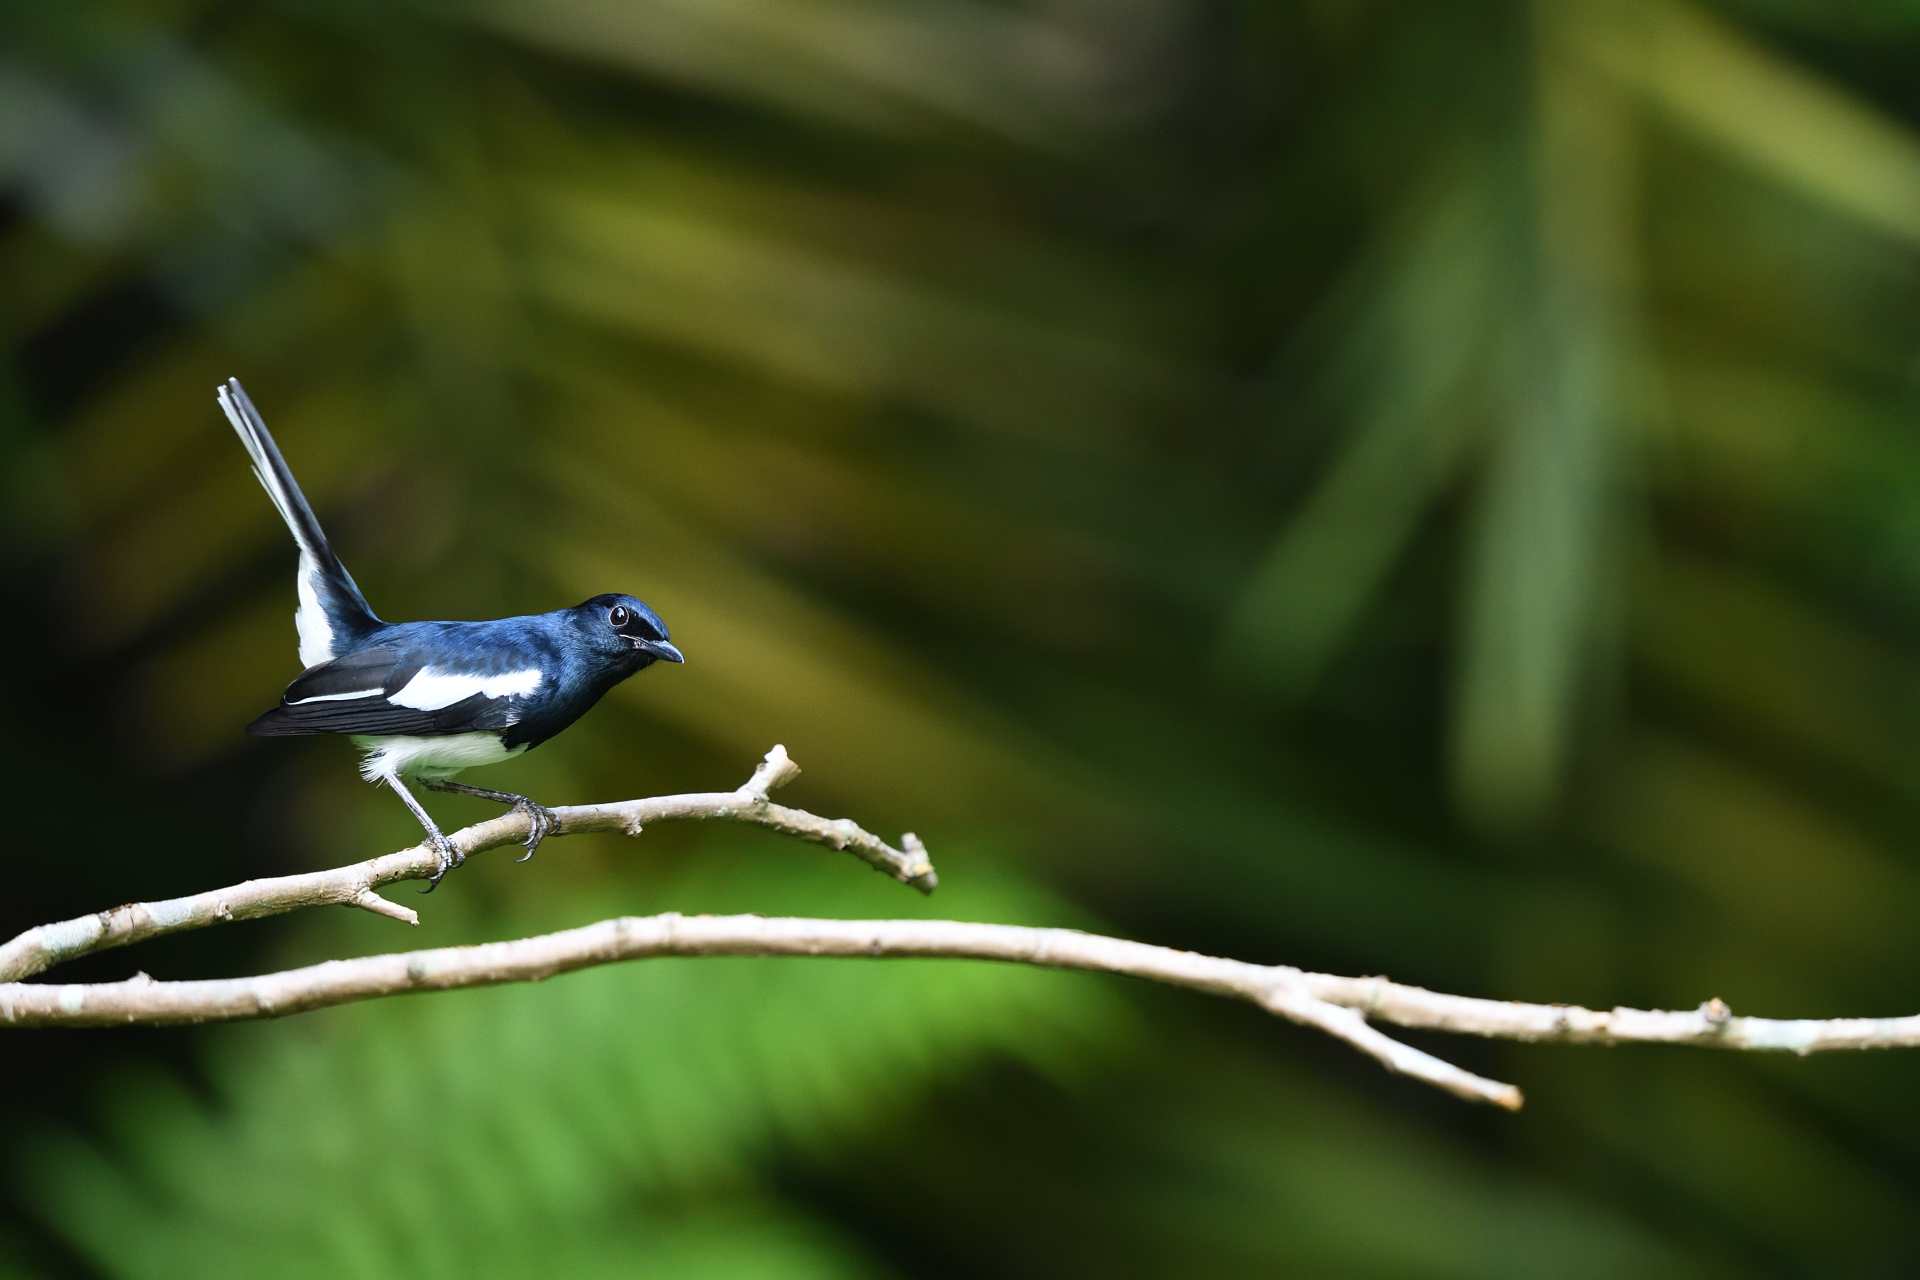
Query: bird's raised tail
x=333, y=615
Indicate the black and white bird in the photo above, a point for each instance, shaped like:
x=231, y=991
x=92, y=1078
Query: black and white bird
x=425, y=700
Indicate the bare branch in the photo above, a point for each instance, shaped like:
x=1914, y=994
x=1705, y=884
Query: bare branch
x=1345, y=1008
x=1338, y=1006
x=1713, y=1025
x=40, y=948
x=141, y=1000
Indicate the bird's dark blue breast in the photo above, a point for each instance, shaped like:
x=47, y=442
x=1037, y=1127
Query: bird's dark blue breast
x=557, y=704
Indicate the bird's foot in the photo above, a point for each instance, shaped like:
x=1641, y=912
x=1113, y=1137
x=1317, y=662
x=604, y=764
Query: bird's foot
x=541, y=822
x=450, y=857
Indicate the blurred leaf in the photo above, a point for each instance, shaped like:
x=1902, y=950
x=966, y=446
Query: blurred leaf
x=1770, y=112
x=537, y=1113
x=1384, y=487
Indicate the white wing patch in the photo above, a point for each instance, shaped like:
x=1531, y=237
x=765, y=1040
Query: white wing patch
x=431, y=690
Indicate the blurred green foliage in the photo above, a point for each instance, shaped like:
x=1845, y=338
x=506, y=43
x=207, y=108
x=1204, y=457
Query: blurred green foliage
x=622, y=1114
x=1423, y=489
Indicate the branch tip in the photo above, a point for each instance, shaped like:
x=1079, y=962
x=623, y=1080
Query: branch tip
x=368, y=900
x=919, y=870
x=775, y=770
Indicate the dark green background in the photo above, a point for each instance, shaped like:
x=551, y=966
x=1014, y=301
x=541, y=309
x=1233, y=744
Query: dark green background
x=1422, y=489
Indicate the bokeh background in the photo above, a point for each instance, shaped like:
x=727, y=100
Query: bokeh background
x=1423, y=489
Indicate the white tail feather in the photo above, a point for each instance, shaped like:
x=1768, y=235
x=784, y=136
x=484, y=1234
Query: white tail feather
x=309, y=620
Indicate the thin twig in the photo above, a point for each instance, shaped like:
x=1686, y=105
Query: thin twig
x=40, y=948
x=1713, y=1025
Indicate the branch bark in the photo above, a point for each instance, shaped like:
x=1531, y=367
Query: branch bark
x=1346, y=1008
x=40, y=948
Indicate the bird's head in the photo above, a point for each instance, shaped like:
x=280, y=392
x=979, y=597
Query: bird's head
x=625, y=631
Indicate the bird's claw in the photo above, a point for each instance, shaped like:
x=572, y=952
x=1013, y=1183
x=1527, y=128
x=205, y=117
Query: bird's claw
x=450, y=857
x=540, y=824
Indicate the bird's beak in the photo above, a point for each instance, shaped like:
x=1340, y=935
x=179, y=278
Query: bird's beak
x=661, y=650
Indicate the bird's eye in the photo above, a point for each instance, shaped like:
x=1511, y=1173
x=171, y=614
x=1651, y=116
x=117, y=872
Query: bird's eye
x=620, y=616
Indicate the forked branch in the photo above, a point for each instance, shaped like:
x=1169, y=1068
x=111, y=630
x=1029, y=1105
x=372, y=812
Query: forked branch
x=1346, y=1008
x=40, y=948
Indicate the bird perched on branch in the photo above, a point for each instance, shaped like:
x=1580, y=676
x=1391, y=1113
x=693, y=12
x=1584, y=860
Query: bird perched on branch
x=425, y=700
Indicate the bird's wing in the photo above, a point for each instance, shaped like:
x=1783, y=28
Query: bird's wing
x=332, y=613
x=382, y=690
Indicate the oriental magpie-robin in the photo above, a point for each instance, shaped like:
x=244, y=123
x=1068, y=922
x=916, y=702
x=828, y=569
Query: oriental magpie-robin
x=425, y=700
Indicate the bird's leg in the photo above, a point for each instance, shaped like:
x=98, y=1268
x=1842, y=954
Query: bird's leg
x=450, y=855
x=540, y=819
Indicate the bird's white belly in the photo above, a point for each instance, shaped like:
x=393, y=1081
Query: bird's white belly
x=436, y=757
